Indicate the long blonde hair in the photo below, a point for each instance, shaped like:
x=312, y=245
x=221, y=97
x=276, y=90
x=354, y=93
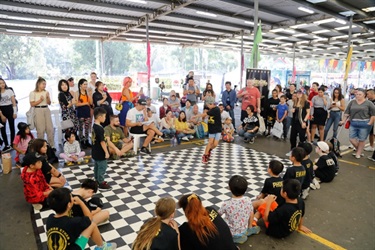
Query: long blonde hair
x=150, y=229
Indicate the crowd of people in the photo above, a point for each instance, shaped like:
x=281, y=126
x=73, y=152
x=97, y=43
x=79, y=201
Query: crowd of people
x=280, y=201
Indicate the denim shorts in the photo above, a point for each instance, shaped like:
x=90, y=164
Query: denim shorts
x=359, y=130
x=216, y=136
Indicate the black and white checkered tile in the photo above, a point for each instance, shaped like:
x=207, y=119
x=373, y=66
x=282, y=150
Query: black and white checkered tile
x=138, y=183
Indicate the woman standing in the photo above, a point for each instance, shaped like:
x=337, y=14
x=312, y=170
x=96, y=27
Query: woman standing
x=335, y=109
x=40, y=99
x=361, y=113
x=127, y=99
x=67, y=102
x=8, y=108
x=204, y=229
x=320, y=105
x=101, y=98
x=208, y=87
x=83, y=106
x=301, y=112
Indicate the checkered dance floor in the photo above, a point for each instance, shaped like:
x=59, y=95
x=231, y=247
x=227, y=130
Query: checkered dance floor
x=138, y=182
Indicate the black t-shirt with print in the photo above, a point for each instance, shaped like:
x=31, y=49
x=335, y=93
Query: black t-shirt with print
x=308, y=164
x=303, y=114
x=327, y=166
x=214, y=121
x=64, y=231
x=250, y=122
x=97, y=151
x=166, y=239
x=222, y=241
x=295, y=172
x=271, y=105
x=273, y=186
x=285, y=219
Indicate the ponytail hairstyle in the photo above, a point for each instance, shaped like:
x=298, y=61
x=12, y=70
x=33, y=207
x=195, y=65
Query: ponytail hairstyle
x=198, y=218
x=80, y=82
x=164, y=208
x=6, y=86
x=39, y=81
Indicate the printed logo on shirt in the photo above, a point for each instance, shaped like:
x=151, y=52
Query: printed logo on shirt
x=211, y=120
x=213, y=214
x=115, y=137
x=277, y=184
x=295, y=220
x=57, y=239
x=300, y=173
x=330, y=162
x=139, y=118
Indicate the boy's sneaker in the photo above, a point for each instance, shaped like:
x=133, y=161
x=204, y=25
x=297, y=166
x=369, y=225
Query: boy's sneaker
x=107, y=246
x=316, y=183
x=253, y=230
x=240, y=240
x=145, y=150
x=252, y=140
x=7, y=148
x=104, y=186
x=305, y=193
x=205, y=159
x=246, y=140
x=209, y=153
x=370, y=158
x=37, y=206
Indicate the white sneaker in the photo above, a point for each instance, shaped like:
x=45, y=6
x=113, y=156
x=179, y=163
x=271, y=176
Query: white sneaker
x=305, y=193
x=191, y=136
x=316, y=183
x=185, y=138
x=369, y=149
x=289, y=153
x=370, y=158
x=37, y=206
x=312, y=186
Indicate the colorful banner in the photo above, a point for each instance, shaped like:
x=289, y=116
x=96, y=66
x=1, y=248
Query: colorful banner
x=257, y=40
x=347, y=63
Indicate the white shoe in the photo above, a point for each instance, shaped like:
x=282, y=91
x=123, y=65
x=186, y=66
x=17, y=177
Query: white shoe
x=354, y=154
x=369, y=149
x=185, y=138
x=305, y=193
x=289, y=153
x=316, y=183
x=37, y=206
x=370, y=158
x=191, y=136
x=312, y=186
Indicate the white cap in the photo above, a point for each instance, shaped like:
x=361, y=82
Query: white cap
x=323, y=146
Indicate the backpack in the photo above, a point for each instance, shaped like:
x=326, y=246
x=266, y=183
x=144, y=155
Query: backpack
x=336, y=146
x=30, y=116
x=262, y=126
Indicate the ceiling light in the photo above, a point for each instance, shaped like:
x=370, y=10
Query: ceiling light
x=195, y=36
x=345, y=27
x=320, y=31
x=133, y=39
x=316, y=1
x=338, y=37
x=340, y=21
x=347, y=13
x=325, y=21
x=300, y=34
x=366, y=44
x=78, y=35
x=206, y=14
x=281, y=37
x=248, y=22
x=31, y=19
x=302, y=25
x=369, y=9
x=369, y=22
x=3, y=16
x=94, y=25
x=306, y=10
x=19, y=31
x=283, y=30
x=137, y=1
x=157, y=32
x=173, y=43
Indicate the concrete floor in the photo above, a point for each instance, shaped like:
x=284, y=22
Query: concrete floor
x=341, y=212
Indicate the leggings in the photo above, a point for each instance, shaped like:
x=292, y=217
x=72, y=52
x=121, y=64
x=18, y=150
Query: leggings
x=67, y=158
x=296, y=129
x=84, y=123
x=8, y=113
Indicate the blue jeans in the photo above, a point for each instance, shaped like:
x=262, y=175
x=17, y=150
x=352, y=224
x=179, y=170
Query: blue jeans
x=180, y=135
x=334, y=118
x=100, y=168
x=231, y=114
x=171, y=132
x=124, y=111
x=359, y=130
x=246, y=134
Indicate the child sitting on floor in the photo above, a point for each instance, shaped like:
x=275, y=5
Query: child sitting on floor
x=65, y=232
x=72, y=151
x=88, y=188
x=325, y=167
x=238, y=211
x=297, y=171
x=35, y=187
x=21, y=142
x=308, y=165
x=161, y=231
x=228, y=130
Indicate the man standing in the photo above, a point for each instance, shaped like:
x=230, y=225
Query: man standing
x=72, y=87
x=371, y=97
x=228, y=98
x=290, y=91
x=191, y=91
x=250, y=96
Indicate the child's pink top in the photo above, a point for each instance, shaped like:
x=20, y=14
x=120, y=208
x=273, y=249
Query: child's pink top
x=22, y=143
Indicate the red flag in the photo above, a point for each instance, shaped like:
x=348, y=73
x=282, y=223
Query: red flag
x=294, y=74
x=335, y=63
x=373, y=66
x=148, y=61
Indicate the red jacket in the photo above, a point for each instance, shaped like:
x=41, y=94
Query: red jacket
x=34, y=184
x=312, y=94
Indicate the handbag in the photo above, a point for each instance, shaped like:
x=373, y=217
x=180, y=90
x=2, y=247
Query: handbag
x=65, y=124
x=277, y=129
x=30, y=116
x=118, y=106
x=347, y=124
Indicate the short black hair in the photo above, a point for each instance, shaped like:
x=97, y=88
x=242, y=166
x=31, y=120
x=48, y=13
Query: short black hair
x=228, y=82
x=238, y=185
x=68, y=134
x=276, y=167
x=98, y=111
x=321, y=88
x=315, y=83
x=293, y=84
x=60, y=83
x=252, y=108
x=298, y=153
x=59, y=199
x=292, y=187
x=90, y=184
x=306, y=146
x=70, y=79
x=283, y=96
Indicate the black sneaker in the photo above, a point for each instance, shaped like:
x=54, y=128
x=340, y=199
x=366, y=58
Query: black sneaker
x=145, y=150
x=104, y=186
x=252, y=140
x=7, y=148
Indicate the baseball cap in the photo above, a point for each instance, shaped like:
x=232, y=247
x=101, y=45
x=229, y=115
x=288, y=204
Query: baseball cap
x=142, y=102
x=322, y=145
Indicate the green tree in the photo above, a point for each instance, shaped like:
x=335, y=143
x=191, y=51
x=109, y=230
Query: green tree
x=116, y=58
x=83, y=56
